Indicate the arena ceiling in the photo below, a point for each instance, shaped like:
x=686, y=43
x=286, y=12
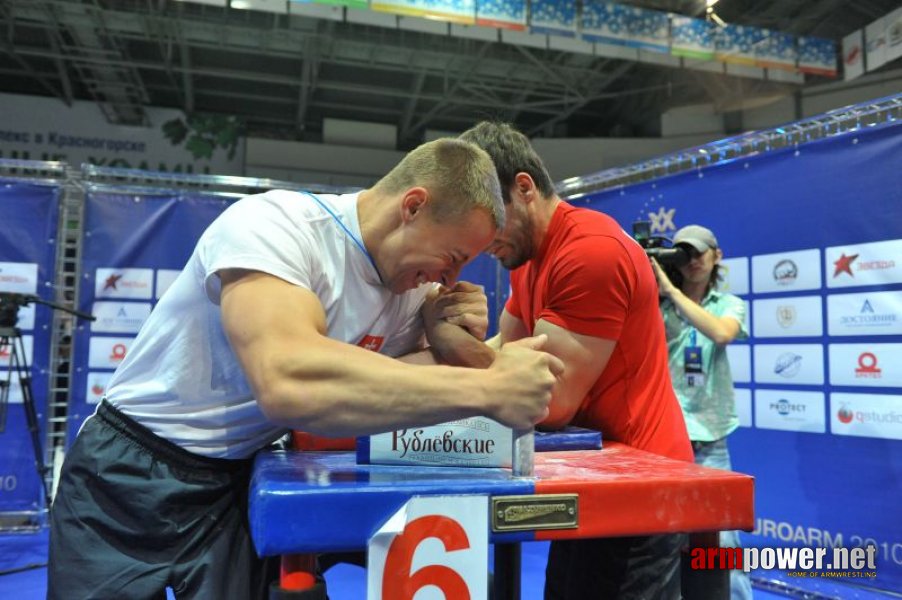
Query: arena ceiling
x=283, y=74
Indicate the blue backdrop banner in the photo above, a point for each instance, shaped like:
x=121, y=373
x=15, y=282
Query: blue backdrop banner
x=28, y=228
x=812, y=237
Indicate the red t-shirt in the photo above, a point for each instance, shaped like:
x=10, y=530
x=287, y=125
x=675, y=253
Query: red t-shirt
x=591, y=278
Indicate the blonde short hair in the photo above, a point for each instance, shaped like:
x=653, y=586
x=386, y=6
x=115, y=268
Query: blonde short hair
x=459, y=175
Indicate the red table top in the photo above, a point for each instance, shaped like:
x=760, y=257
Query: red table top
x=624, y=492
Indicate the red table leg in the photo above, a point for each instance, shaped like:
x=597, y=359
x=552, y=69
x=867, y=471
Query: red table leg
x=298, y=579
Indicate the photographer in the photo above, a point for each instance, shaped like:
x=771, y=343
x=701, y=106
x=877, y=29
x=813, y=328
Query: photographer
x=699, y=322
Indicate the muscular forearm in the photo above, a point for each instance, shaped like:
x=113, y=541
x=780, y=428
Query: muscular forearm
x=341, y=390
x=303, y=379
x=455, y=346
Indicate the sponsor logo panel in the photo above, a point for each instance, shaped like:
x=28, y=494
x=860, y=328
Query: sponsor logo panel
x=740, y=357
x=119, y=317
x=6, y=352
x=866, y=415
x=96, y=386
x=787, y=271
x=872, y=365
x=108, y=352
x=165, y=278
x=795, y=364
x=790, y=410
x=124, y=283
x=18, y=278
x=735, y=275
x=744, y=406
x=875, y=263
x=795, y=316
x=874, y=313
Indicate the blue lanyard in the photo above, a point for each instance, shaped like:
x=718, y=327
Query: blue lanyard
x=347, y=231
x=692, y=337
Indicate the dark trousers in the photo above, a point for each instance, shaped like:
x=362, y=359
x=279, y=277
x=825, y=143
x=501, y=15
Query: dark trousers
x=134, y=514
x=633, y=568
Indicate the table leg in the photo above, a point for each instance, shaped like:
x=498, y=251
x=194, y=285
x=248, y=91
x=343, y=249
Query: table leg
x=298, y=579
x=506, y=584
x=704, y=584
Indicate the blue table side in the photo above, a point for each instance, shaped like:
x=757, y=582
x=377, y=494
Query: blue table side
x=325, y=502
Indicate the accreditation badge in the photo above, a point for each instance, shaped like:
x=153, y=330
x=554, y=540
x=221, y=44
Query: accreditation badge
x=692, y=360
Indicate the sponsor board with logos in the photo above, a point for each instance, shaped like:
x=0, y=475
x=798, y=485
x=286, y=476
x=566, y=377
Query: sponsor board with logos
x=790, y=410
x=27, y=345
x=743, y=398
x=798, y=364
x=734, y=275
x=869, y=313
x=866, y=415
x=96, y=386
x=107, y=352
x=866, y=364
x=119, y=317
x=874, y=263
x=18, y=277
x=740, y=358
x=787, y=271
x=134, y=284
x=29, y=220
x=792, y=316
x=806, y=473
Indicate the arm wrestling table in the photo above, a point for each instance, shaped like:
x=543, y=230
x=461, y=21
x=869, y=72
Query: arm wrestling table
x=313, y=502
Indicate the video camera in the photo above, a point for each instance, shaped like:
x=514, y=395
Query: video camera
x=9, y=307
x=667, y=256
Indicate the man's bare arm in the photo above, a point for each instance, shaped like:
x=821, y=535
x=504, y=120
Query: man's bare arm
x=304, y=380
x=585, y=358
x=510, y=329
x=456, y=320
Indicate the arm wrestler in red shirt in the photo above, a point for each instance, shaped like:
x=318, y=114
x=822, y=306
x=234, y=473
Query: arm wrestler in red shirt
x=578, y=278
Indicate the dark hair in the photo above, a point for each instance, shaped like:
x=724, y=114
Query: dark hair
x=512, y=153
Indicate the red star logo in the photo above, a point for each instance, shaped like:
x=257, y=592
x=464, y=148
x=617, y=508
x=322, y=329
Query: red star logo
x=844, y=265
x=111, y=282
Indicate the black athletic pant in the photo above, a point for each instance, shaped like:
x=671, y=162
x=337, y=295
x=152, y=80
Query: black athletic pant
x=632, y=568
x=134, y=514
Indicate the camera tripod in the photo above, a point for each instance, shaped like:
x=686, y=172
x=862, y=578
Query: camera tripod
x=11, y=340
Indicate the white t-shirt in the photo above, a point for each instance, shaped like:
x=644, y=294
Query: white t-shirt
x=181, y=378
